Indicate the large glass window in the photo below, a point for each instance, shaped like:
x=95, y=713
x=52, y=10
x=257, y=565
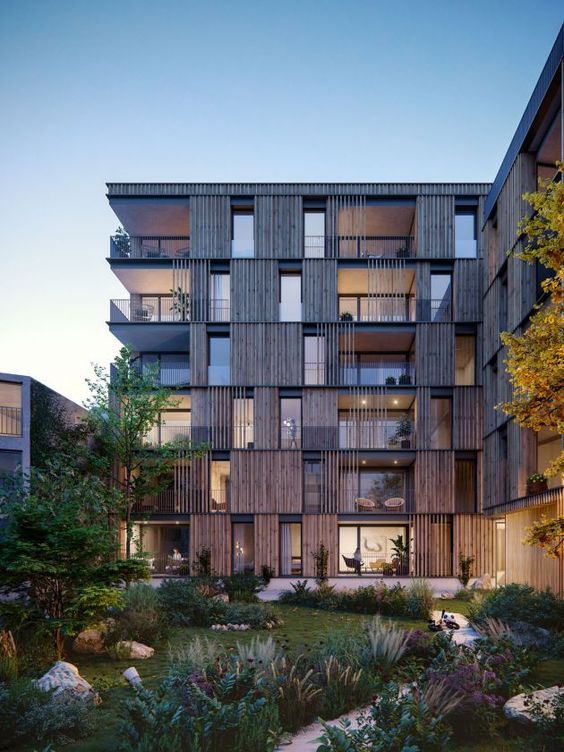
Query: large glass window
x=220, y=296
x=10, y=408
x=465, y=233
x=440, y=423
x=465, y=501
x=243, y=233
x=314, y=234
x=312, y=486
x=290, y=548
x=243, y=423
x=220, y=485
x=381, y=485
x=378, y=547
x=167, y=547
x=219, y=366
x=465, y=360
x=441, y=296
x=243, y=547
x=290, y=423
x=174, y=425
x=549, y=446
x=290, y=297
x=314, y=359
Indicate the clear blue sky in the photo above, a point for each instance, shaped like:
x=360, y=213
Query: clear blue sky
x=174, y=90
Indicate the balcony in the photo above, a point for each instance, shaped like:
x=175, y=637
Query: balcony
x=374, y=434
x=10, y=421
x=164, y=502
x=220, y=310
x=150, y=309
x=149, y=247
x=434, y=310
x=219, y=499
x=376, y=246
x=388, y=308
x=173, y=432
x=377, y=373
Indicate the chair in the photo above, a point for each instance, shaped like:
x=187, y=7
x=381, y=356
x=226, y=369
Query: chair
x=394, y=503
x=364, y=504
x=353, y=564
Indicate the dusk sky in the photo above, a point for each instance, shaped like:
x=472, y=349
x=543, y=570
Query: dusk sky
x=174, y=90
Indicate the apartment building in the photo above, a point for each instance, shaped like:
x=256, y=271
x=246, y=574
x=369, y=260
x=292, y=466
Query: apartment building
x=326, y=340
x=511, y=289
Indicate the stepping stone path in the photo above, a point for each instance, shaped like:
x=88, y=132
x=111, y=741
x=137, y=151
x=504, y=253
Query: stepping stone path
x=466, y=635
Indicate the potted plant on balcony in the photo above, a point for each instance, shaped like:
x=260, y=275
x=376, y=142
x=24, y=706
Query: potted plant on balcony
x=122, y=243
x=402, y=252
x=400, y=553
x=405, y=378
x=404, y=429
x=390, y=380
x=181, y=304
x=536, y=483
x=346, y=316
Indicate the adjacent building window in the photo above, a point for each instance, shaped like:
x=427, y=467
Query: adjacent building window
x=243, y=423
x=314, y=359
x=440, y=423
x=219, y=354
x=290, y=423
x=290, y=297
x=290, y=548
x=10, y=408
x=465, y=486
x=10, y=464
x=465, y=233
x=220, y=296
x=243, y=233
x=220, y=485
x=314, y=234
x=377, y=548
x=441, y=296
x=243, y=547
x=465, y=360
x=312, y=486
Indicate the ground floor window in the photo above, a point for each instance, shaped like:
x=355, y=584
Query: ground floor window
x=243, y=547
x=500, y=553
x=167, y=547
x=290, y=548
x=383, y=548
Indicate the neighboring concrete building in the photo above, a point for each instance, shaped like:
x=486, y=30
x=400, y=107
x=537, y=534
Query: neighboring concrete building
x=512, y=288
x=24, y=406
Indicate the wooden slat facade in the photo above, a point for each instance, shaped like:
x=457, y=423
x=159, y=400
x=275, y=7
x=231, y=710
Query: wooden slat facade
x=212, y=531
x=435, y=226
x=279, y=226
x=317, y=529
x=267, y=542
x=266, y=481
x=266, y=354
x=434, y=354
x=473, y=535
x=434, y=481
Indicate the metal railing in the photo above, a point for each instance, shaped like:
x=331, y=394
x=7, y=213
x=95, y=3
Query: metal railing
x=372, y=434
x=314, y=373
x=149, y=246
x=169, y=564
x=220, y=310
x=376, y=246
x=219, y=499
x=10, y=421
x=375, y=564
x=163, y=502
x=377, y=308
x=434, y=310
x=314, y=246
x=378, y=373
x=169, y=432
x=168, y=375
x=149, y=309
x=243, y=436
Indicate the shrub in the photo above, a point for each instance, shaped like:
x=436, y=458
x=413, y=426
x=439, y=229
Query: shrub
x=258, y=615
x=243, y=586
x=520, y=603
x=202, y=565
x=184, y=605
x=196, y=656
x=465, y=568
x=267, y=573
x=259, y=654
x=343, y=688
x=547, y=730
x=463, y=594
x=386, y=643
x=420, y=599
x=321, y=562
x=142, y=618
x=418, y=644
x=298, y=694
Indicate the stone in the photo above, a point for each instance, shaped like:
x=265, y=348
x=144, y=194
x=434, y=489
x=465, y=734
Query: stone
x=221, y=597
x=89, y=642
x=132, y=649
x=516, y=708
x=528, y=635
x=64, y=681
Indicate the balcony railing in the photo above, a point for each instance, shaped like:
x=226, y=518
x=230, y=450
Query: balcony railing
x=381, y=308
x=372, y=434
x=169, y=564
x=153, y=309
x=174, y=376
x=219, y=499
x=314, y=246
x=168, y=433
x=10, y=421
x=378, y=373
x=220, y=310
x=163, y=502
x=314, y=373
x=149, y=246
x=434, y=310
x=376, y=246
x=243, y=436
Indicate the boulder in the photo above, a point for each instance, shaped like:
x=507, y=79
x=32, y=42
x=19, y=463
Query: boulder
x=65, y=682
x=89, y=642
x=517, y=707
x=132, y=649
x=221, y=597
x=529, y=636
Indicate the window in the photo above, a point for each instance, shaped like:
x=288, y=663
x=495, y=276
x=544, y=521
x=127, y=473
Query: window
x=290, y=423
x=465, y=360
x=243, y=547
x=314, y=234
x=314, y=360
x=377, y=550
x=290, y=548
x=220, y=485
x=10, y=408
x=290, y=297
x=174, y=425
x=381, y=485
x=440, y=423
x=312, y=486
x=465, y=233
x=219, y=370
x=243, y=423
x=167, y=547
x=171, y=369
x=441, y=295
x=465, y=498
x=243, y=233
x=220, y=296
x=503, y=301
x=10, y=463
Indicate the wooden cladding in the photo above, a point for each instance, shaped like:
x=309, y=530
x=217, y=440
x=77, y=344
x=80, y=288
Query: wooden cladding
x=467, y=424
x=431, y=545
x=267, y=418
x=346, y=222
x=212, y=531
x=266, y=481
x=318, y=529
x=319, y=417
x=434, y=354
x=267, y=542
x=510, y=205
x=266, y=354
x=473, y=535
x=435, y=226
x=254, y=290
x=319, y=283
x=210, y=227
x=467, y=293
x=279, y=226
x=198, y=354
x=434, y=481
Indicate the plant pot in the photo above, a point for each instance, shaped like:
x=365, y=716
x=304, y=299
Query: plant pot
x=404, y=379
x=405, y=444
x=539, y=486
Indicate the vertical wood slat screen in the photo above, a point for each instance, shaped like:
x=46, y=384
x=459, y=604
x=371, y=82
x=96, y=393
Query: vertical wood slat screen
x=317, y=529
x=467, y=423
x=212, y=531
x=384, y=278
x=210, y=220
x=435, y=226
x=348, y=481
x=431, y=545
x=279, y=227
x=267, y=419
x=434, y=481
x=267, y=354
x=367, y=414
x=319, y=282
x=473, y=535
x=196, y=478
x=467, y=293
x=346, y=219
x=254, y=290
x=330, y=481
x=265, y=481
x=434, y=355
x=267, y=542
x=198, y=354
x=319, y=418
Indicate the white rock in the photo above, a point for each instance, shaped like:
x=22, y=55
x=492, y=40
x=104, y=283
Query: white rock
x=89, y=642
x=516, y=709
x=64, y=681
x=136, y=650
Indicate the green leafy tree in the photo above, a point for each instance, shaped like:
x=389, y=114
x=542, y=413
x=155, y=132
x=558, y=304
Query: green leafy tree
x=59, y=554
x=52, y=429
x=535, y=360
x=122, y=411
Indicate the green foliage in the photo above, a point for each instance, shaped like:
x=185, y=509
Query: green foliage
x=202, y=565
x=465, y=568
x=520, y=603
x=184, y=605
x=321, y=562
x=258, y=615
x=243, y=586
x=28, y=716
x=546, y=733
x=59, y=554
x=52, y=430
x=267, y=573
x=141, y=618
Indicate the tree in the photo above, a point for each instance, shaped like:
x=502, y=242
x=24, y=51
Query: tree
x=52, y=430
x=58, y=553
x=535, y=360
x=122, y=411
x=548, y=534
